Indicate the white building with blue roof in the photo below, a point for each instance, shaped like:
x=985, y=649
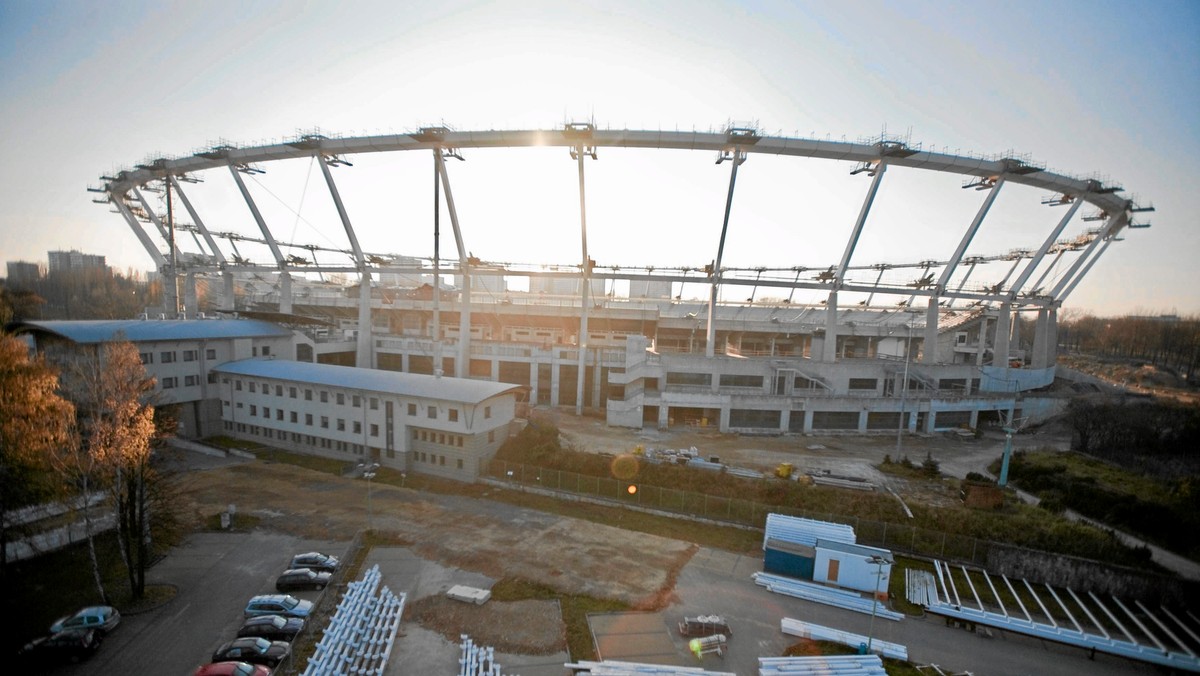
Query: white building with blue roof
x=179, y=354
x=449, y=427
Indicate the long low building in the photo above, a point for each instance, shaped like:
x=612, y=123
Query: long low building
x=448, y=427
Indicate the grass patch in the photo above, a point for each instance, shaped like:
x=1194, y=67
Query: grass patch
x=575, y=610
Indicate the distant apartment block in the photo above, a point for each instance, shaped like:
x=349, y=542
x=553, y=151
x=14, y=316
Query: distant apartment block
x=23, y=272
x=64, y=261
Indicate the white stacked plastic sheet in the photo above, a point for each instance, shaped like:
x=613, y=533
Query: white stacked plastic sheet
x=830, y=596
x=806, y=531
x=359, y=637
x=613, y=668
x=469, y=594
x=819, y=633
x=822, y=665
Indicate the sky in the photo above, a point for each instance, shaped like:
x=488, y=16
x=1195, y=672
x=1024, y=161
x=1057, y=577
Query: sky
x=1090, y=88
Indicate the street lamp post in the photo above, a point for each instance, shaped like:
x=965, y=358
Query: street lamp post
x=368, y=473
x=878, y=561
x=903, y=393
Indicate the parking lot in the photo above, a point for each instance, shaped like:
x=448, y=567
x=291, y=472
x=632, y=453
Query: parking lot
x=215, y=574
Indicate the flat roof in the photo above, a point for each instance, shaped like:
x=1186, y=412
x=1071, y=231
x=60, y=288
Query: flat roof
x=371, y=380
x=861, y=550
x=150, y=330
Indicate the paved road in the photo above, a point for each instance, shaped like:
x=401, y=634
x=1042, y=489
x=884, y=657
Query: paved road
x=216, y=573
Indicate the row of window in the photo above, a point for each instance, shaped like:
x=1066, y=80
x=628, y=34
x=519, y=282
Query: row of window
x=435, y=459
x=168, y=356
x=305, y=439
x=171, y=382
x=340, y=399
x=294, y=417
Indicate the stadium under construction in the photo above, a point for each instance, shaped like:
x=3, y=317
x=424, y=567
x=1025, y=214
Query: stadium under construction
x=841, y=346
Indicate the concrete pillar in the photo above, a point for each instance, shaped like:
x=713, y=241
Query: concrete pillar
x=1052, y=337
x=554, y=366
x=228, y=296
x=808, y=419
x=829, y=352
x=597, y=386
x=929, y=354
x=170, y=288
x=983, y=323
x=1040, y=335
x=191, y=305
x=785, y=420
x=533, y=379
x=285, y=292
x=664, y=415
x=862, y=422
x=1000, y=349
x=404, y=366
x=363, y=357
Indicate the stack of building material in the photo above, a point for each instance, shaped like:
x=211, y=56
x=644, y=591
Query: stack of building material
x=469, y=594
x=839, y=598
x=822, y=665
x=612, y=668
x=477, y=660
x=820, y=633
x=805, y=531
x=359, y=637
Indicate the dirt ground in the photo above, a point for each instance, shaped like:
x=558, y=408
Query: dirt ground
x=498, y=540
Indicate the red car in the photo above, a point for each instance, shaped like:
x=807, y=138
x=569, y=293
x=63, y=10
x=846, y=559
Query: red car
x=232, y=669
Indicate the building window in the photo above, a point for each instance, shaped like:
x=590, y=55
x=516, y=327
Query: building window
x=212, y=378
x=240, y=405
x=279, y=414
x=431, y=413
x=253, y=386
x=146, y=357
x=238, y=385
x=454, y=415
x=254, y=351
x=307, y=395
x=391, y=453
x=864, y=383
x=266, y=350
x=460, y=463
x=191, y=381
x=374, y=404
x=491, y=436
x=487, y=412
x=412, y=409
x=225, y=403
x=374, y=430
x=416, y=435
x=442, y=460
x=210, y=353
x=266, y=388
x=266, y=412
x=294, y=417
x=279, y=390
x=167, y=357
x=325, y=422
x=253, y=409
x=169, y=383
x=324, y=397
x=308, y=419
x=357, y=427
x=341, y=425
x=356, y=401
x=190, y=355
x=341, y=399
x=292, y=392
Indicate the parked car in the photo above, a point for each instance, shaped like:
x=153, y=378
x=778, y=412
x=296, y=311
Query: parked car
x=272, y=627
x=315, y=561
x=102, y=618
x=232, y=669
x=278, y=604
x=66, y=645
x=302, y=578
x=256, y=650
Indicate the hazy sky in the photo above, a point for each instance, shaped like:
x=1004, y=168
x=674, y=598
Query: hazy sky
x=1088, y=88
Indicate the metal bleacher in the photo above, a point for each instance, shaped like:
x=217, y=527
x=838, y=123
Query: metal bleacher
x=359, y=637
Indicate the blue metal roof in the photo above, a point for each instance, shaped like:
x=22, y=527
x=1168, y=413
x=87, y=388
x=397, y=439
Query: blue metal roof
x=369, y=380
x=150, y=330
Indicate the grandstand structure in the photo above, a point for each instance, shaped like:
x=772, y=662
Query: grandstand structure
x=845, y=346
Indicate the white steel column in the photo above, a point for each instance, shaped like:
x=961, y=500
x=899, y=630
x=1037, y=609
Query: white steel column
x=1037, y=257
x=227, y=290
x=586, y=278
x=362, y=356
x=829, y=353
x=162, y=229
x=1003, y=331
x=1039, y=358
x=285, y=278
x=711, y=332
x=1109, y=228
x=929, y=356
x=1083, y=273
x=148, y=244
x=462, y=361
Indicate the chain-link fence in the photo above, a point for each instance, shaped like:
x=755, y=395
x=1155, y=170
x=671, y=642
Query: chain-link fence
x=922, y=542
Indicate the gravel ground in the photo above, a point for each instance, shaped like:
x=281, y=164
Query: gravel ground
x=533, y=627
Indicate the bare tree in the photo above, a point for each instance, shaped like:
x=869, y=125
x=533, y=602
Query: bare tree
x=111, y=391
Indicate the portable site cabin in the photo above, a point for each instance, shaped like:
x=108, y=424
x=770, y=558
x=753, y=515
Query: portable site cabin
x=789, y=543
x=852, y=566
